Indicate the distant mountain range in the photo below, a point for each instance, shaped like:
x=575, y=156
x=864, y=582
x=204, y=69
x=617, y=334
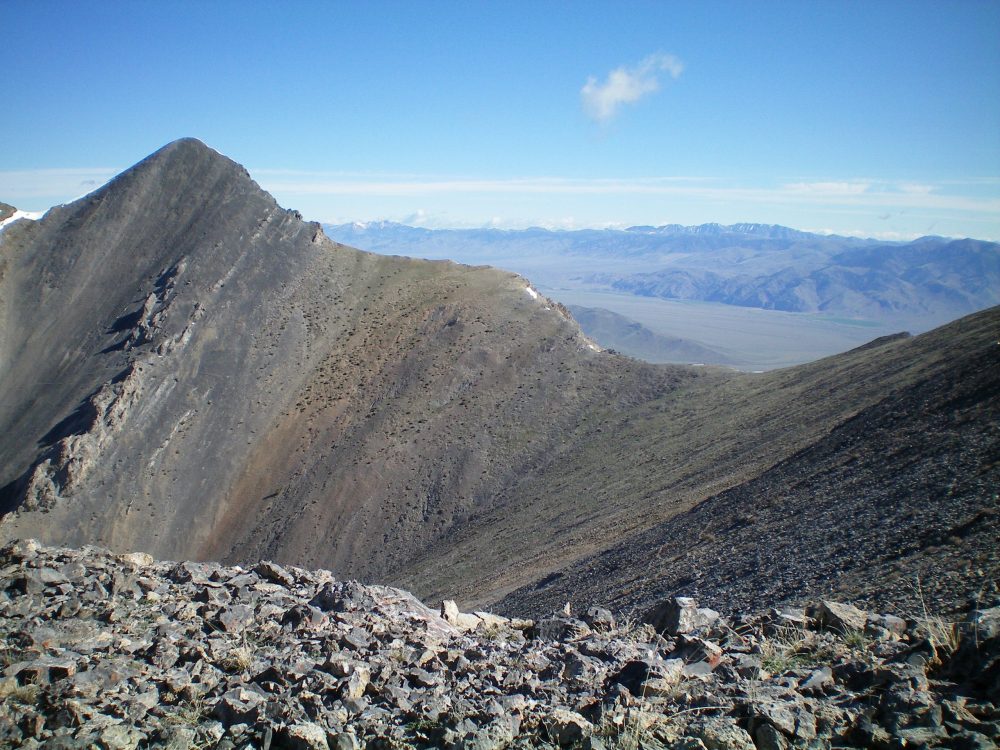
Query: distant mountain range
x=914, y=285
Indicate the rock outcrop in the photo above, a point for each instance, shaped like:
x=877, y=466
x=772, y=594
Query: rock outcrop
x=122, y=652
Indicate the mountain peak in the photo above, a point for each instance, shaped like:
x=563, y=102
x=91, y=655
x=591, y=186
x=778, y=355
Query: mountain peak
x=186, y=151
x=185, y=171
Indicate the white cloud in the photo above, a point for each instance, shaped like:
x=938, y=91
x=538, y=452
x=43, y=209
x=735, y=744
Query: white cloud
x=418, y=218
x=625, y=85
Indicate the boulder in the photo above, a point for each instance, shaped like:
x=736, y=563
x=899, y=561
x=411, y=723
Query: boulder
x=680, y=615
x=273, y=572
x=567, y=728
x=558, y=629
x=462, y=620
x=137, y=559
x=723, y=733
x=304, y=737
x=843, y=618
x=235, y=618
x=599, y=619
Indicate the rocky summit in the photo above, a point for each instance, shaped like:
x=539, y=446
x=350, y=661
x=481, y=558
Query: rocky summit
x=119, y=652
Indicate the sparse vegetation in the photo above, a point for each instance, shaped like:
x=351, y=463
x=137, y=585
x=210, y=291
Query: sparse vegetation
x=238, y=659
x=26, y=695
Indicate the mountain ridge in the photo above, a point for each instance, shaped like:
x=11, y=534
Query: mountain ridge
x=192, y=292
x=207, y=376
x=762, y=230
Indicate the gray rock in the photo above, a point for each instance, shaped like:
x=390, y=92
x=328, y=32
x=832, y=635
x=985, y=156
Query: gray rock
x=843, y=618
x=304, y=737
x=986, y=622
x=818, y=682
x=121, y=737
x=558, y=629
x=357, y=682
x=275, y=573
x=722, y=733
x=567, y=728
x=767, y=737
x=235, y=618
x=51, y=577
x=600, y=620
x=680, y=615
x=344, y=741
x=239, y=706
x=396, y=674
x=358, y=639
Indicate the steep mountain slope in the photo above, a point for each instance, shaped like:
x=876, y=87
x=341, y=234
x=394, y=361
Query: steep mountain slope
x=625, y=472
x=190, y=370
x=897, y=505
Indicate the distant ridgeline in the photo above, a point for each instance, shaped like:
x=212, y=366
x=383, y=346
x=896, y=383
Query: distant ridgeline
x=916, y=284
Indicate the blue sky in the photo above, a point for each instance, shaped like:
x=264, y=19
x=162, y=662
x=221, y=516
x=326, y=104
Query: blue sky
x=875, y=118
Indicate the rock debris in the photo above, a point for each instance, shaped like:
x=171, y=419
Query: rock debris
x=120, y=652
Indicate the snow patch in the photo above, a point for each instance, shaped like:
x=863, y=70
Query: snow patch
x=19, y=214
x=531, y=292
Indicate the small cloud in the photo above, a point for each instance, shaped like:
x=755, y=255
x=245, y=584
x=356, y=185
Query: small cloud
x=625, y=85
x=416, y=219
x=88, y=183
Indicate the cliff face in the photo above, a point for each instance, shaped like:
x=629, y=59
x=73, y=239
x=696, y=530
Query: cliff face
x=188, y=369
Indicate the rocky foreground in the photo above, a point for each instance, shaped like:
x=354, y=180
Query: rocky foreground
x=121, y=652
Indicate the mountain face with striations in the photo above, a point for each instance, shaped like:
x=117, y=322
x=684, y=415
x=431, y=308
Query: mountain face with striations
x=190, y=370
